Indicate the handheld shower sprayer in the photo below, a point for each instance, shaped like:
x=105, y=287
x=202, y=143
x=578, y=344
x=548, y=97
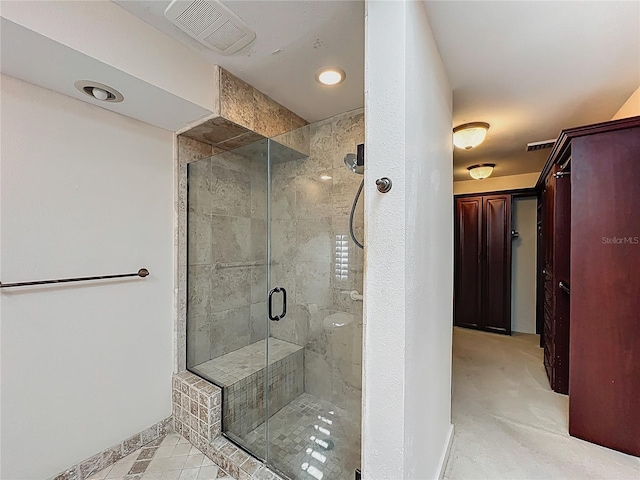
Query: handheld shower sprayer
x=355, y=163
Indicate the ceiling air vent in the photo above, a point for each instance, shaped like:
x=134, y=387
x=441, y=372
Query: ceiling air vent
x=540, y=145
x=211, y=23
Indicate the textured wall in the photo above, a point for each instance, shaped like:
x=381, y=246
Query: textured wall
x=409, y=276
x=630, y=108
x=509, y=182
x=85, y=191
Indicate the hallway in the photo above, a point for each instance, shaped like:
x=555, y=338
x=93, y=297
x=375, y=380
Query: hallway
x=509, y=424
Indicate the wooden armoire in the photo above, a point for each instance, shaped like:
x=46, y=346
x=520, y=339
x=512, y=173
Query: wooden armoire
x=553, y=284
x=590, y=269
x=482, y=296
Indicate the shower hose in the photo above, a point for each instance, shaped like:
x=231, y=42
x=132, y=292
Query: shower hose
x=353, y=211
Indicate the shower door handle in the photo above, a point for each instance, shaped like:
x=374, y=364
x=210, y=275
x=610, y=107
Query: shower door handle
x=273, y=317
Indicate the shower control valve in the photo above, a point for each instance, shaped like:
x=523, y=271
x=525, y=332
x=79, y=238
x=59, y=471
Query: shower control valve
x=384, y=184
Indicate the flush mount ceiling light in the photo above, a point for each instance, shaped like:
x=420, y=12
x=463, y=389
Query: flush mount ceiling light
x=482, y=171
x=99, y=91
x=330, y=75
x=470, y=135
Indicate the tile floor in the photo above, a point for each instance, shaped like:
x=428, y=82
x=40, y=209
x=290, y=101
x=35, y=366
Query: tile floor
x=168, y=458
x=310, y=439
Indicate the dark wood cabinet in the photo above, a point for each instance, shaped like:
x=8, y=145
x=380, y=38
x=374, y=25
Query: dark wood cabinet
x=604, y=402
x=591, y=238
x=483, y=263
x=554, y=274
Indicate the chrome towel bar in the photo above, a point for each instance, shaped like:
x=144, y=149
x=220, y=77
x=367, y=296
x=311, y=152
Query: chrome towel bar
x=143, y=272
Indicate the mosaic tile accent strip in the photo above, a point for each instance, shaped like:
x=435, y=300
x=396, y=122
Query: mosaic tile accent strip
x=237, y=462
x=168, y=458
x=242, y=373
x=196, y=408
x=110, y=456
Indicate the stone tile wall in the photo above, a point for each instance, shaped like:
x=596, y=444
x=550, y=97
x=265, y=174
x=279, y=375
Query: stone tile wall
x=190, y=390
x=186, y=151
x=315, y=259
x=226, y=238
x=313, y=256
x=243, y=405
x=244, y=115
x=196, y=408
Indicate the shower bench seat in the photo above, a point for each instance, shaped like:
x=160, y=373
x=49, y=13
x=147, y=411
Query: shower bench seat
x=241, y=374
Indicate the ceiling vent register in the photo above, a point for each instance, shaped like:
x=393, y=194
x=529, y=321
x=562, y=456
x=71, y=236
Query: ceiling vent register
x=533, y=146
x=210, y=23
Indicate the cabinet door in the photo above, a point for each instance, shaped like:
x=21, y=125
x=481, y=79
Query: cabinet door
x=561, y=263
x=468, y=242
x=604, y=384
x=496, y=303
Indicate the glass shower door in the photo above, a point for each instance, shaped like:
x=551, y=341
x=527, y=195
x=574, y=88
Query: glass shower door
x=314, y=349
x=271, y=315
x=227, y=326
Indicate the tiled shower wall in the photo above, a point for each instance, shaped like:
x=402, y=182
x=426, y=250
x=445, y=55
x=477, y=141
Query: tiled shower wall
x=311, y=200
x=310, y=203
x=226, y=236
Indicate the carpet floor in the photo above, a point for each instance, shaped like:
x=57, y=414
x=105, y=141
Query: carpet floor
x=509, y=424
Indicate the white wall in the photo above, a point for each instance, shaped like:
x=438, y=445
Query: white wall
x=409, y=238
x=84, y=191
x=491, y=184
x=630, y=108
x=523, y=266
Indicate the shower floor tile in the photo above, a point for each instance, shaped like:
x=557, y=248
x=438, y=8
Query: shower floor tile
x=311, y=439
x=169, y=458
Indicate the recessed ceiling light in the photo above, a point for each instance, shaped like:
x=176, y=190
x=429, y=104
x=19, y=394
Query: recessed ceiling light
x=325, y=177
x=99, y=91
x=330, y=75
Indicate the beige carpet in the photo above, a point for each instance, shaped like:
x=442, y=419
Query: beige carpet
x=510, y=425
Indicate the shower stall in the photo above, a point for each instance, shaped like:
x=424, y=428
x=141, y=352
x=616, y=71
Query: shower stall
x=274, y=312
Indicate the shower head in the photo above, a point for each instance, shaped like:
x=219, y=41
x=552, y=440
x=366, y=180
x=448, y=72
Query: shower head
x=351, y=161
x=355, y=163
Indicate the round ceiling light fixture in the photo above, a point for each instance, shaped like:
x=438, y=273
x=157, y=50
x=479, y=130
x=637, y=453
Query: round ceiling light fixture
x=482, y=171
x=470, y=135
x=330, y=75
x=99, y=91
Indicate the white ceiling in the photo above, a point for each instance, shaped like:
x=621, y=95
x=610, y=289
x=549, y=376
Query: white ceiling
x=294, y=39
x=52, y=65
x=531, y=69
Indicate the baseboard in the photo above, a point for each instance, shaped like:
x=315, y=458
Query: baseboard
x=444, y=458
x=102, y=460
